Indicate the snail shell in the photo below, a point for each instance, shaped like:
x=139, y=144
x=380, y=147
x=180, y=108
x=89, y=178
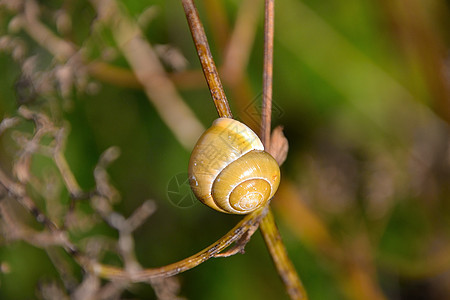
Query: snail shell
x=229, y=170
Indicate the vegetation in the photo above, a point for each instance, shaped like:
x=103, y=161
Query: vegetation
x=102, y=101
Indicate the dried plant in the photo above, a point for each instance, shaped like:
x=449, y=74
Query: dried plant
x=89, y=237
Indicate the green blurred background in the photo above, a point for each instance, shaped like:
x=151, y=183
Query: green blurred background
x=362, y=90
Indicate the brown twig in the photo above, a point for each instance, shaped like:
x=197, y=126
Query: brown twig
x=247, y=223
x=206, y=60
x=61, y=162
x=269, y=229
x=60, y=49
x=280, y=258
x=267, y=73
x=239, y=246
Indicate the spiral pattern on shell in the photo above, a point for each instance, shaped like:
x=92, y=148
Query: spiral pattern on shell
x=229, y=170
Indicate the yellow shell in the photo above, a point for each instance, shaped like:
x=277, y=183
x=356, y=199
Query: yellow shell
x=229, y=169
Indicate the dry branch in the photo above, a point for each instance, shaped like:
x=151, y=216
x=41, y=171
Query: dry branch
x=206, y=60
x=269, y=229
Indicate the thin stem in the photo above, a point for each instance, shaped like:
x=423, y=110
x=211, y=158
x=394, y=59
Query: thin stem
x=246, y=224
x=279, y=256
x=206, y=60
x=267, y=73
x=269, y=229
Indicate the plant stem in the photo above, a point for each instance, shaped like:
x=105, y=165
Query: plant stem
x=268, y=226
x=246, y=224
x=206, y=60
x=280, y=258
x=269, y=229
x=267, y=73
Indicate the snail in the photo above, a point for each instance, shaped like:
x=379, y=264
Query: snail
x=229, y=170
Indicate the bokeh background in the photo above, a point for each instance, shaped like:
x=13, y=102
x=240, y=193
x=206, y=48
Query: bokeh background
x=362, y=89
